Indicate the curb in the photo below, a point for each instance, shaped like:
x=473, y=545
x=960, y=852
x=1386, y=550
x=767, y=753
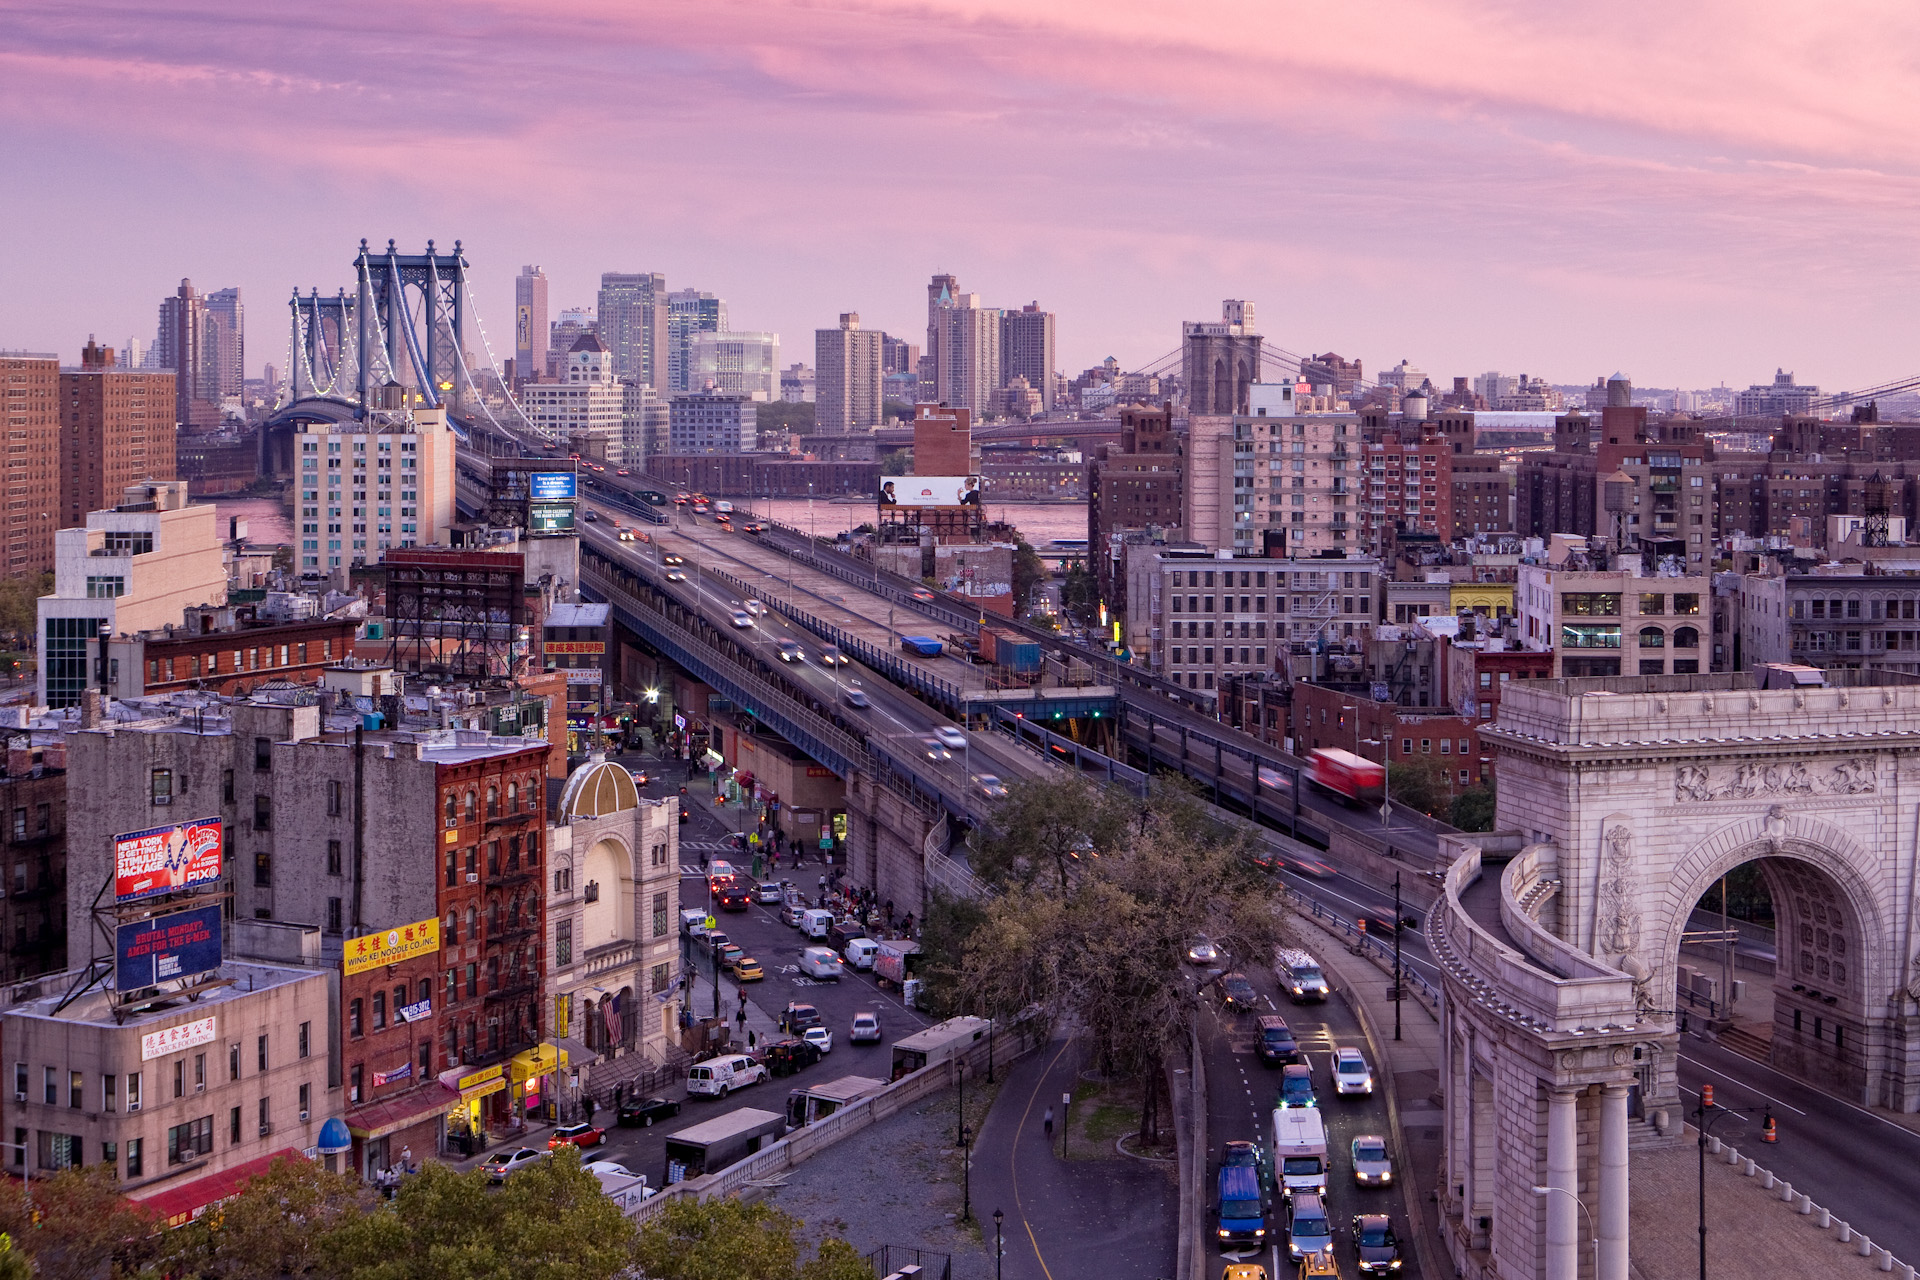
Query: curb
x=1423, y=1243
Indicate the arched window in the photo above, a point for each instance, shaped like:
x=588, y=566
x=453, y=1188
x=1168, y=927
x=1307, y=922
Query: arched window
x=470, y=806
x=1686, y=638
x=1652, y=638
x=493, y=802
x=453, y=928
x=513, y=797
x=453, y=804
x=472, y=919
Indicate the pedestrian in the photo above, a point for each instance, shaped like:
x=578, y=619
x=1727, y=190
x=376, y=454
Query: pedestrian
x=592, y=1107
x=406, y=1159
x=741, y=1017
x=1048, y=1121
x=907, y=926
x=752, y=1040
x=823, y=883
x=889, y=913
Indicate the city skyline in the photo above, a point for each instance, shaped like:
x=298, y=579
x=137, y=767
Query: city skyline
x=1720, y=203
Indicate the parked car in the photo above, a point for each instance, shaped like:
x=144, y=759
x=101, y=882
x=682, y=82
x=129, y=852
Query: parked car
x=1372, y=1166
x=727, y=954
x=797, y=1017
x=502, y=1165
x=819, y=1037
x=769, y=891
x=792, y=911
x=865, y=1029
x=576, y=1135
x=747, y=969
x=1350, y=1073
x=716, y=1077
x=1375, y=1247
x=642, y=1112
x=951, y=737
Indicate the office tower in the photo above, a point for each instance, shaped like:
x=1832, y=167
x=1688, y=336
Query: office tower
x=32, y=385
x=846, y=376
x=586, y=408
x=969, y=359
x=689, y=311
x=1219, y=362
x=897, y=355
x=712, y=422
x=633, y=324
x=189, y=342
x=1026, y=349
x=645, y=418
x=118, y=431
x=941, y=291
x=529, y=323
x=573, y=324
x=738, y=363
x=134, y=354
x=228, y=342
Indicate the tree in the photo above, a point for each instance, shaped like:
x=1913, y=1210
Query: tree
x=780, y=415
x=19, y=607
x=1029, y=571
x=1473, y=809
x=1047, y=825
x=729, y=1239
x=895, y=463
x=14, y=1264
x=1418, y=783
x=78, y=1225
x=277, y=1226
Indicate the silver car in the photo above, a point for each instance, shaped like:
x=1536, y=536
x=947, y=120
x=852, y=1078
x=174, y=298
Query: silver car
x=1350, y=1073
x=1372, y=1166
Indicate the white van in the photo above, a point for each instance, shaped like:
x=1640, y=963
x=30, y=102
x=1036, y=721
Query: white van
x=718, y=1076
x=821, y=962
x=693, y=921
x=815, y=922
x=861, y=951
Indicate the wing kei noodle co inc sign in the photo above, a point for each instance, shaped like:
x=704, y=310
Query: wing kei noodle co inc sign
x=171, y=859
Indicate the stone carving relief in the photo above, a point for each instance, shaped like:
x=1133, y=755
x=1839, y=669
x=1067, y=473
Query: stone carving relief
x=1619, y=922
x=1699, y=783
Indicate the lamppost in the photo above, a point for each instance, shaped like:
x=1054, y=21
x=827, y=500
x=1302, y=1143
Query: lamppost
x=1703, y=1123
x=999, y=1247
x=1397, y=972
x=1544, y=1192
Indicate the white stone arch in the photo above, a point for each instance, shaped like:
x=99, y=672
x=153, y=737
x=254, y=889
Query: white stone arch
x=608, y=865
x=1797, y=836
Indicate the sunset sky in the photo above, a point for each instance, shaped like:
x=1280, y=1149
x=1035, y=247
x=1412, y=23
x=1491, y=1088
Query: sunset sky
x=1689, y=192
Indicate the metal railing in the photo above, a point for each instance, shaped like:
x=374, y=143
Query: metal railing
x=1367, y=944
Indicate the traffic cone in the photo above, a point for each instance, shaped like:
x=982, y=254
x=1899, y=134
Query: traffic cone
x=1770, y=1133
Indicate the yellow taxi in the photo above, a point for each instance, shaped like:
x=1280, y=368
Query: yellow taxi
x=1319, y=1266
x=747, y=969
x=1244, y=1271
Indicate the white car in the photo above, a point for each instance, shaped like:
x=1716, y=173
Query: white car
x=1372, y=1166
x=609, y=1168
x=819, y=1037
x=676, y=575
x=866, y=1029
x=950, y=736
x=742, y=619
x=1350, y=1073
x=502, y=1164
x=755, y=607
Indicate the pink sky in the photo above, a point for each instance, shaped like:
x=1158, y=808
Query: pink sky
x=1691, y=193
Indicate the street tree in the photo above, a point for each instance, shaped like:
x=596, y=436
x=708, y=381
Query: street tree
x=277, y=1226
x=76, y=1225
x=1418, y=783
x=1047, y=825
x=730, y=1239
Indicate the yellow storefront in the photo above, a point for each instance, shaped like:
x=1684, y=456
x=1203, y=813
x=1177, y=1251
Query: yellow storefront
x=533, y=1073
x=464, y=1117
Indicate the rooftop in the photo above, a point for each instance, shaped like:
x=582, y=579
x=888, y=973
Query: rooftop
x=96, y=1006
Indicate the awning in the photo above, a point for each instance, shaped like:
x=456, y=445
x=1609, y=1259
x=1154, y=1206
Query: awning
x=379, y=1119
x=475, y=1083
x=540, y=1060
x=574, y=1053
x=182, y=1202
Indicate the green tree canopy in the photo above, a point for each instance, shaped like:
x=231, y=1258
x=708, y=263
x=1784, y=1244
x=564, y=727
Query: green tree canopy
x=730, y=1239
x=278, y=1226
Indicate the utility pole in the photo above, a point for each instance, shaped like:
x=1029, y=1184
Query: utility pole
x=1396, y=955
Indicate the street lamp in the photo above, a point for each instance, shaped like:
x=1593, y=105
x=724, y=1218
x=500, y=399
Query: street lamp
x=1703, y=1123
x=1544, y=1192
x=999, y=1248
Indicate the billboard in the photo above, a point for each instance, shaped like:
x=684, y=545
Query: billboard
x=550, y=517
x=930, y=491
x=553, y=486
x=166, y=859
x=370, y=951
x=166, y=947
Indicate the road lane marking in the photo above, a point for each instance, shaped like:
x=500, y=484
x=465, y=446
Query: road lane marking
x=1013, y=1166
x=1900, y=1128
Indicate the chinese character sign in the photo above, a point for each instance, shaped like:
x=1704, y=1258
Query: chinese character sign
x=166, y=859
x=391, y=946
x=158, y=1044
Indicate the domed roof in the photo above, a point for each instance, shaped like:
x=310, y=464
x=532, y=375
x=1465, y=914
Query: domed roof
x=598, y=788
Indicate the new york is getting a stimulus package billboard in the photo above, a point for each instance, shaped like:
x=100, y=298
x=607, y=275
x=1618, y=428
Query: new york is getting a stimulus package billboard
x=930, y=491
x=166, y=947
x=166, y=859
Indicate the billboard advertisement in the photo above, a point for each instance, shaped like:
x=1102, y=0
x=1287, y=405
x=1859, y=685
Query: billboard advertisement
x=553, y=486
x=166, y=859
x=931, y=491
x=550, y=517
x=166, y=947
x=370, y=951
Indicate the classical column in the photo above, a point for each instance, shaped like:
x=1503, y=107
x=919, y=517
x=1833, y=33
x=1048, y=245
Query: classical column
x=1612, y=1223
x=1563, y=1175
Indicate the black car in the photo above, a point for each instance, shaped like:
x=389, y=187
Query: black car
x=735, y=897
x=1236, y=993
x=784, y=1057
x=1375, y=1246
x=642, y=1112
x=1276, y=1046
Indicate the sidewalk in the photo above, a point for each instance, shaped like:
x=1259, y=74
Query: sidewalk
x=1748, y=1220
x=1115, y=1218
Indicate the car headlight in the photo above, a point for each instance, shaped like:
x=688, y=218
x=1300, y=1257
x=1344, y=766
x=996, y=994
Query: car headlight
x=1259, y=1231
x=1223, y=1233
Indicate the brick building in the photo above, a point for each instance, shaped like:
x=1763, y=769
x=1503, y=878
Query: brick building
x=118, y=431
x=31, y=384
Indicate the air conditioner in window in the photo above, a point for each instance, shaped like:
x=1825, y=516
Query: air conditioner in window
x=163, y=799
x=452, y=823
x=133, y=1106
x=265, y=1129
x=19, y=1096
x=201, y=1087
x=305, y=1114
x=473, y=877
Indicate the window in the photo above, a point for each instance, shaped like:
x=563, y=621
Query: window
x=659, y=915
x=562, y=944
x=52, y=1086
x=379, y=1011
x=266, y=1118
x=263, y=870
x=355, y=1018
x=1592, y=604
x=133, y=1103
x=262, y=813
x=1652, y=638
x=263, y=755
x=233, y=1061
x=306, y=1039
x=77, y=1086
x=226, y=786
x=659, y=978
x=233, y=1126
x=1689, y=603
x=333, y=809
x=163, y=786
x=59, y=1150
x=187, y=1141
x=1653, y=604
x=1588, y=635
x=199, y=1072
x=355, y=1081
x=333, y=915
x=109, y=1092
x=1686, y=638
x=134, y=1164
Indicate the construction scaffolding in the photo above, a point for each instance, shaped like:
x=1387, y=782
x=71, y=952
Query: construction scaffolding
x=457, y=614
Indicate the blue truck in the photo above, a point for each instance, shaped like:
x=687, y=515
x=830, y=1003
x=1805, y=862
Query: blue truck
x=922, y=646
x=1242, y=1209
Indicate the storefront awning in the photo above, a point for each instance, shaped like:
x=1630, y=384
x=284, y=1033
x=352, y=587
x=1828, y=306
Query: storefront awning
x=182, y=1202
x=574, y=1053
x=379, y=1119
x=475, y=1082
x=540, y=1060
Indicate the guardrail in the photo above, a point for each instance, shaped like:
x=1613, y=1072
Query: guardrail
x=1051, y=743
x=1367, y=944
x=940, y=870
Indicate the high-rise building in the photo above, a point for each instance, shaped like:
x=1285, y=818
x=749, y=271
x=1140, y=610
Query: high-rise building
x=897, y=355
x=586, y=408
x=941, y=292
x=712, y=422
x=738, y=363
x=228, y=343
x=573, y=324
x=371, y=485
x=1026, y=350
x=1219, y=362
x=689, y=311
x=529, y=323
x=118, y=430
x=1780, y=397
x=633, y=324
x=645, y=421
x=190, y=342
x=969, y=359
x=32, y=386
x=847, y=363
